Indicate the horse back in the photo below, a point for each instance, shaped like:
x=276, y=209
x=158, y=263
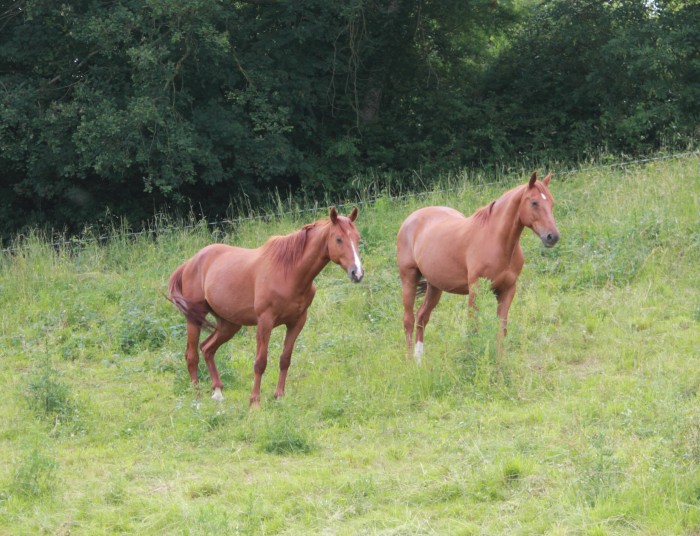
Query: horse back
x=428, y=224
x=210, y=260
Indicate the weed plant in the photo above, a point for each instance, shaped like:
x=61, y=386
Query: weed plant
x=586, y=423
x=34, y=476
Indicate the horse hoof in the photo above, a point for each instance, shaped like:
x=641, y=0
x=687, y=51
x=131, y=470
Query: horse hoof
x=218, y=396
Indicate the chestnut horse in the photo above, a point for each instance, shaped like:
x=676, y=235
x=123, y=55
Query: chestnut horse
x=264, y=287
x=441, y=249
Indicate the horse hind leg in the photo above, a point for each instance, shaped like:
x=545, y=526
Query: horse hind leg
x=192, y=350
x=432, y=297
x=223, y=332
x=409, y=283
x=195, y=314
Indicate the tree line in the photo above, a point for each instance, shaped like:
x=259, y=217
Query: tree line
x=123, y=108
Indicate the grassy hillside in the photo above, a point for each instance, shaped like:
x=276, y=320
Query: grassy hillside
x=590, y=424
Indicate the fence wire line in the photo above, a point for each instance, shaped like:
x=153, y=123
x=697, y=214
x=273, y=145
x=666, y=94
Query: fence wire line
x=362, y=203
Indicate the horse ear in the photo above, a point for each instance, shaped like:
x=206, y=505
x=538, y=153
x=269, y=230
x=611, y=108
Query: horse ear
x=353, y=214
x=546, y=179
x=533, y=178
x=334, y=215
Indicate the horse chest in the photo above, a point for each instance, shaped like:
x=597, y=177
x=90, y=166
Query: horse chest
x=298, y=305
x=505, y=273
x=289, y=307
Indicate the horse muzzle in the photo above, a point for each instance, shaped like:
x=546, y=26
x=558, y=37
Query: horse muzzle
x=549, y=238
x=356, y=274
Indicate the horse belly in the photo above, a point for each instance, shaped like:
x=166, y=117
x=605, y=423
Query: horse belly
x=448, y=278
x=445, y=271
x=234, y=305
x=230, y=291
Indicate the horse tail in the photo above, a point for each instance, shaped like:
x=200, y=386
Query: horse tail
x=421, y=287
x=196, y=315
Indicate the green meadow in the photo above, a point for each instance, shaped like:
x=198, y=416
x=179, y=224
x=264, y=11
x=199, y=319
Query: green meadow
x=589, y=423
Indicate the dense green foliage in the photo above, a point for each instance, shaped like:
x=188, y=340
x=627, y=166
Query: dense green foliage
x=131, y=107
x=588, y=424
x=583, y=76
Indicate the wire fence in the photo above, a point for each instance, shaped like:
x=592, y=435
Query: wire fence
x=102, y=238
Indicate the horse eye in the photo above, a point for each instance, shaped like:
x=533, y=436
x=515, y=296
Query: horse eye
x=339, y=240
x=535, y=204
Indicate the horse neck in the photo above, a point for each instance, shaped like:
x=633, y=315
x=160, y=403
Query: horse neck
x=505, y=220
x=314, y=258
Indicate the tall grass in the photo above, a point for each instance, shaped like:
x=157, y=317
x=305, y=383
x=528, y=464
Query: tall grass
x=588, y=424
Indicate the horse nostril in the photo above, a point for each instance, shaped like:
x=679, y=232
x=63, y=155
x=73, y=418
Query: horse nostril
x=355, y=275
x=549, y=239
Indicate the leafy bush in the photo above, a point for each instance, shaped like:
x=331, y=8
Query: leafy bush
x=139, y=330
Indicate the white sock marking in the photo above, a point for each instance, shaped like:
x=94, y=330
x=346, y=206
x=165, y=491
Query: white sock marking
x=217, y=395
x=418, y=352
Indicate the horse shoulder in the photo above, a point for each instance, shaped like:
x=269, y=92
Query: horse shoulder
x=518, y=258
x=487, y=259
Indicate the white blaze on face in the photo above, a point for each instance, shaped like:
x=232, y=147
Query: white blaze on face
x=543, y=196
x=358, y=263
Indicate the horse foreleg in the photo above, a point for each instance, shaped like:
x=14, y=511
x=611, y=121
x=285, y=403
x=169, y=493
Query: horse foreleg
x=263, y=340
x=505, y=298
x=473, y=285
x=290, y=338
x=223, y=332
x=432, y=297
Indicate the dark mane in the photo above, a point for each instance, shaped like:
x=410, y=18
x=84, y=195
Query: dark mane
x=286, y=251
x=483, y=215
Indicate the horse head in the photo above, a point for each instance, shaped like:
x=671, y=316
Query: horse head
x=536, y=210
x=344, y=244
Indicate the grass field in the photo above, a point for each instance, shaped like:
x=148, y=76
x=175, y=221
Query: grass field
x=590, y=423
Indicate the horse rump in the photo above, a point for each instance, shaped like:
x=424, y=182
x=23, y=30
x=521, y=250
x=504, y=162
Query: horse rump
x=195, y=313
